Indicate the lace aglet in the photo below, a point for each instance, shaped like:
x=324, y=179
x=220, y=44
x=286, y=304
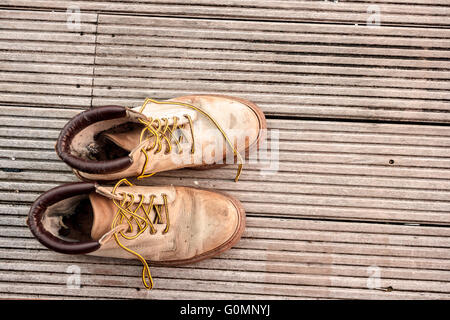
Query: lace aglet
x=238, y=175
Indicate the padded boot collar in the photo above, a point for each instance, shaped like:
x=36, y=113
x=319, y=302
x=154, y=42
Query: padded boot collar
x=75, y=126
x=40, y=206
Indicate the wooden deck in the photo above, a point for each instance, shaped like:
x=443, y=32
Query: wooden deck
x=360, y=207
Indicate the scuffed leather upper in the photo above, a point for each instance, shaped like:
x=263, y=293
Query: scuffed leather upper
x=200, y=221
x=238, y=120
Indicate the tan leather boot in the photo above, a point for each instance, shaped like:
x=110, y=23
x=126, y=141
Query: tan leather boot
x=112, y=142
x=163, y=225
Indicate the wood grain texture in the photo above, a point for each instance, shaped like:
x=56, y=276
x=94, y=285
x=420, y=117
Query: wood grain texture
x=426, y=13
x=288, y=69
x=357, y=171
x=43, y=61
x=291, y=273
x=357, y=191
x=322, y=241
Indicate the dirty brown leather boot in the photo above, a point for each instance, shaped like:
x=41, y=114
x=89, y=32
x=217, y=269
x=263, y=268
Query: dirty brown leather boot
x=112, y=142
x=164, y=225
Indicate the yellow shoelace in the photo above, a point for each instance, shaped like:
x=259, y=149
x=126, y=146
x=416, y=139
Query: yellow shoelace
x=127, y=214
x=160, y=129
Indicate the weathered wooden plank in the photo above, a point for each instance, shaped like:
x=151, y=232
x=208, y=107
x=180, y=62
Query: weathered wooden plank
x=201, y=285
x=46, y=112
x=294, y=262
x=289, y=250
x=168, y=284
x=274, y=281
x=317, y=11
x=319, y=263
x=289, y=131
x=309, y=107
x=44, y=61
x=317, y=150
x=108, y=292
x=269, y=27
x=249, y=182
x=293, y=125
x=38, y=35
x=275, y=78
x=19, y=296
x=60, y=101
x=56, y=58
x=112, y=34
x=42, y=68
x=237, y=87
x=36, y=153
x=267, y=62
x=358, y=233
x=45, y=78
x=53, y=16
x=285, y=170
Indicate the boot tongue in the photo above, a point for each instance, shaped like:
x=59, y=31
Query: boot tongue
x=103, y=209
x=126, y=140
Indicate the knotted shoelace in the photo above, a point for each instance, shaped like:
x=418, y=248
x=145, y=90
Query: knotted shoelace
x=160, y=130
x=131, y=214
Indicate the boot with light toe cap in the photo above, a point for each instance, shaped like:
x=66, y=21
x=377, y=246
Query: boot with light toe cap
x=161, y=225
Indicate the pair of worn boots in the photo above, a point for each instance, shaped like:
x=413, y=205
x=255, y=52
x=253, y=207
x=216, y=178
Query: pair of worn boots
x=160, y=225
